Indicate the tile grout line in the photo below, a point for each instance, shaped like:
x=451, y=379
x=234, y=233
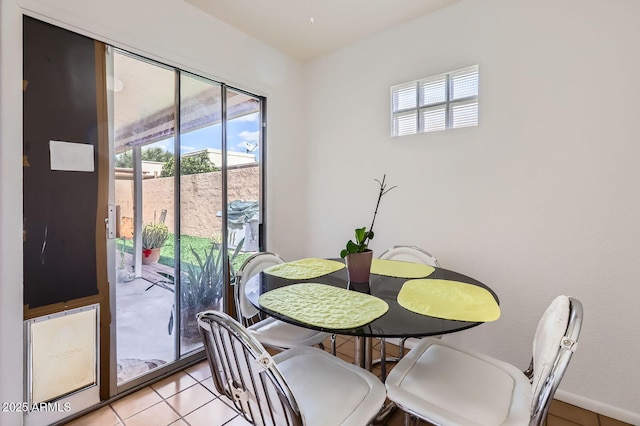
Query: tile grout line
x=232, y=419
x=170, y=406
x=230, y=405
x=200, y=406
x=162, y=400
x=116, y=414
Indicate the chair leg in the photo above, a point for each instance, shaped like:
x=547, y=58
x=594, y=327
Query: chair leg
x=383, y=360
x=332, y=344
x=410, y=420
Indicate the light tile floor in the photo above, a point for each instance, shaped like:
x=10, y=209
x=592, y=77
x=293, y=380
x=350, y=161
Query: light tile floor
x=189, y=398
x=185, y=398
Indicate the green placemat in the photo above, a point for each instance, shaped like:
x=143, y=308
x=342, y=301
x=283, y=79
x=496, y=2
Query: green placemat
x=449, y=300
x=396, y=268
x=324, y=306
x=304, y=269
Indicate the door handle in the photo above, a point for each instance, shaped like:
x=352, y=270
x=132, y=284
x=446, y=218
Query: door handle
x=110, y=222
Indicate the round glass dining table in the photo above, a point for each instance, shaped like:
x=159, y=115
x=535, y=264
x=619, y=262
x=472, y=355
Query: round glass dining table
x=396, y=322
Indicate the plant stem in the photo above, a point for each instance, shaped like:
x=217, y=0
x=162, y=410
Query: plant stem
x=375, y=213
x=362, y=235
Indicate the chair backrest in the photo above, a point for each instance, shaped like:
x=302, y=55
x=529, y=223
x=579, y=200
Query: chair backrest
x=555, y=341
x=244, y=371
x=252, y=265
x=410, y=254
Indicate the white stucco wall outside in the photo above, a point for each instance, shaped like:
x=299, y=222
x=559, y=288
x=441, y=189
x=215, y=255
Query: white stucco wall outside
x=540, y=199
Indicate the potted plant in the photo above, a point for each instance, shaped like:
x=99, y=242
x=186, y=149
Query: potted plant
x=356, y=254
x=154, y=236
x=201, y=287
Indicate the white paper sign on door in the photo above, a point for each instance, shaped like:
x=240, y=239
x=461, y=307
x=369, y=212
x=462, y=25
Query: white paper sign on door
x=72, y=157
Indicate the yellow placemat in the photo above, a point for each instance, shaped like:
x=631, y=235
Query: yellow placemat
x=304, y=269
x=324, y=306
x=449, y=300
x=396, y=268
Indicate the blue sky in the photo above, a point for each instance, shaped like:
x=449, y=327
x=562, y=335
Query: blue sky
x=241, y=132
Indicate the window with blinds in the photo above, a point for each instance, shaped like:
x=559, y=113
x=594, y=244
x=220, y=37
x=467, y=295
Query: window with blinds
x=445, y=101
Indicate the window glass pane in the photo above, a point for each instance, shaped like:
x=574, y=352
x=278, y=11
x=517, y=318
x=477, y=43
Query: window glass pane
x=433, y=119
x=243, y=176
x=405, y=124
x=464, y=83
x=464, y=114
x=445, y=101
x=433, y=91
x=201, y=280
x=144, y=126
x=404, y=96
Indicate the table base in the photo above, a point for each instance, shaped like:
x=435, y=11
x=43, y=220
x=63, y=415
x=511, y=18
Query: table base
x=363, y=353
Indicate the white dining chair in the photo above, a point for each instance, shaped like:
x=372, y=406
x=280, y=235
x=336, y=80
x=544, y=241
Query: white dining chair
x=410, y=254
x=268, y=330
x=406, y=254
x=299, y=386
x=446, y=384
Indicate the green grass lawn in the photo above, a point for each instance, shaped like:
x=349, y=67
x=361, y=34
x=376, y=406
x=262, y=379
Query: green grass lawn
x=188, y=244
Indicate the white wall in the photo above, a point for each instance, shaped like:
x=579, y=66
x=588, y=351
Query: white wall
x=176, y=33
x=10, y=211
x=540, y=199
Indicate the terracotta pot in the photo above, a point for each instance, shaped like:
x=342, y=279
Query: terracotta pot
x=150, y=256
x=359, y=266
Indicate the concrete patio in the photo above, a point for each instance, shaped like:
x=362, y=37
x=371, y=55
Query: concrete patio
x=143, y=311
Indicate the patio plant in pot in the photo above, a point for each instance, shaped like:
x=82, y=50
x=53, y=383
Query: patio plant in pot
x=357, y=254
x=154, y=236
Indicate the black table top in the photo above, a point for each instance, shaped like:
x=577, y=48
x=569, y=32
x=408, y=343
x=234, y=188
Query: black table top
x=397, y=322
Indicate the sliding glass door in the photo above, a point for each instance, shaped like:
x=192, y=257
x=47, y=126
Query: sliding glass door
x=202, y=273
x=144, y=119
x=188, y=206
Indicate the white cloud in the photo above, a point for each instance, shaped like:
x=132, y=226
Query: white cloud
x=250, y=136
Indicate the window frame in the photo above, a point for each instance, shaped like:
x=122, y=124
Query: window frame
x=419, y=107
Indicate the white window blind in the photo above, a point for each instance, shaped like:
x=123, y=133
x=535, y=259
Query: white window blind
x=405, y=123
x=405, y=97
x=464, y=83
x=434, y=91
x=434, y=119
x=439, y=102
x=464, y=114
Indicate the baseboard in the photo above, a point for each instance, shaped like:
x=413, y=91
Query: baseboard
x=598, y=407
